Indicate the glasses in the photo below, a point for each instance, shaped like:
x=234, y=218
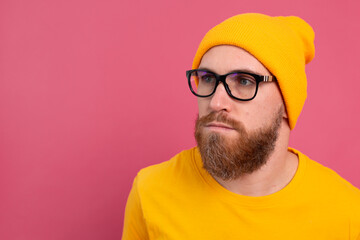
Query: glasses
x=242, y=86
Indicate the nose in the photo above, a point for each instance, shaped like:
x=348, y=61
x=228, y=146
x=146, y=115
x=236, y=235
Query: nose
x=220, y=100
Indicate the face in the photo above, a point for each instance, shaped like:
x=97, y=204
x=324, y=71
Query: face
x=252, y=114
x=236, y=137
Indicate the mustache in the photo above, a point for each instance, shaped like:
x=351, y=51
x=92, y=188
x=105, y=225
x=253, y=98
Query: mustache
x=221, y=118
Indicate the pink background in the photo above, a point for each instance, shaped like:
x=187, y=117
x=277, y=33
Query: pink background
x=92, y=91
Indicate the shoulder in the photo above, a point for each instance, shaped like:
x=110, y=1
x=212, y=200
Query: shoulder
x=165, y=173
x=325, y=181
x=329, y=194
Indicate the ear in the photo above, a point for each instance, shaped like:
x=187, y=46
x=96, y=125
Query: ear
x=285, y=115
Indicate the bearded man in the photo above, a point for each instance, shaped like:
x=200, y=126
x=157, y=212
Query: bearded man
x=242, y=181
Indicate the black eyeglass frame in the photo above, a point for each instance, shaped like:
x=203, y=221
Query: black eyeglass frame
x=222, y=78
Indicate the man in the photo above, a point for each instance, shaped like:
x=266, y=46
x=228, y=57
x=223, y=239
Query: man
x=242, y=181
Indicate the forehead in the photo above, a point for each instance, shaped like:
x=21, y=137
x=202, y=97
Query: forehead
x=226, y=58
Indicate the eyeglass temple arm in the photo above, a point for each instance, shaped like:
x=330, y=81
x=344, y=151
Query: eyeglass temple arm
x=269, y=79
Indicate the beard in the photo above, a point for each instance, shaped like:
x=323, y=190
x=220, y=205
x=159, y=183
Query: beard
x=227, y=158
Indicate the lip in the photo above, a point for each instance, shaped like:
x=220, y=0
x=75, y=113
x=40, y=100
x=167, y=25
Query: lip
x=219, y=126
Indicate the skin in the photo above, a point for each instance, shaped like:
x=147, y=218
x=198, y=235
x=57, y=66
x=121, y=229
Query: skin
x=259, y=112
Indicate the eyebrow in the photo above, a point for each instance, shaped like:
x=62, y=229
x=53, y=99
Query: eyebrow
x=245, y=70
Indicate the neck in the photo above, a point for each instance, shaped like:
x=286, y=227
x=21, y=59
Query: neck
x=270, y=178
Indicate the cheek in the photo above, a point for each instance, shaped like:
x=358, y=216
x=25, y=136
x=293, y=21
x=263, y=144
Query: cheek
x=255, y=114
x=203, y=105
x=250, y=116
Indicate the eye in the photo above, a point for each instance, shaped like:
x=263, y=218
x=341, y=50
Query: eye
x=243, y=79
x=206, y=77
x=245, y=82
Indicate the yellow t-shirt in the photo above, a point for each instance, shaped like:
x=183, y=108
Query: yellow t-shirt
x=178, y=199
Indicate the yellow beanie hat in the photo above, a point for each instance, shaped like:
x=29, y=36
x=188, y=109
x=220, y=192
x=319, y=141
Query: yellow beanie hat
x=282, y=44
